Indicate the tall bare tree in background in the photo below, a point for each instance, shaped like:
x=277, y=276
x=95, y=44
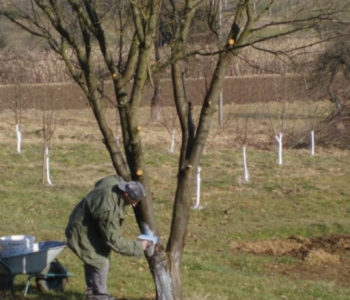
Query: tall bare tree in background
x=80, y=32
x=330, y=79
x=331, y=71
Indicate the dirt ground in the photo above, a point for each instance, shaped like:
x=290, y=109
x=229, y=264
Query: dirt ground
x=320, y=258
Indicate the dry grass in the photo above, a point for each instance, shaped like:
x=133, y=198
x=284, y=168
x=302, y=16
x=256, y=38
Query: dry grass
x=252, y=124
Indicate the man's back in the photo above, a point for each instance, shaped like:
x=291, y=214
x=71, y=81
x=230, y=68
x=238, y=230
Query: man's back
x=94, y=225
x=83, y=233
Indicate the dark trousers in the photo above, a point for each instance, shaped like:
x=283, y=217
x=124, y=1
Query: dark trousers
x=96, y=282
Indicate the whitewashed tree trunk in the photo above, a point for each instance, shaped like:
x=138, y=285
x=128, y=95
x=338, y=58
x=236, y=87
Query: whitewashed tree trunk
x=312, y=142
x=197, y=205
x=19, y=138
x=280, y=146
x=172, y=143
x=246, y=173
x=47, y=165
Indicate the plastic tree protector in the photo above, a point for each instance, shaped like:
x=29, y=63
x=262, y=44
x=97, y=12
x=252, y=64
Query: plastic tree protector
x=19, y=138
x=246, y=173
x=280, y=144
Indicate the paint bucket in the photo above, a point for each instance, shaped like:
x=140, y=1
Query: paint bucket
x=13, y=245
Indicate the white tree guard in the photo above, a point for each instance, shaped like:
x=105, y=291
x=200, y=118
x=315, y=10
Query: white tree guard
x=312, y=143
x=172, y=144
x=47, y=165
x=246, y=173
x=197, y=205
x=19, y=138
x=280, y=146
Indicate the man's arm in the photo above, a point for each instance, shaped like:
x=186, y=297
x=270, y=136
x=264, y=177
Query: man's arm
x=110, y=229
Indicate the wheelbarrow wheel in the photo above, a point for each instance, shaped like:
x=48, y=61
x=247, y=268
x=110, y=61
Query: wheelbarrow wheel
x=53, y=277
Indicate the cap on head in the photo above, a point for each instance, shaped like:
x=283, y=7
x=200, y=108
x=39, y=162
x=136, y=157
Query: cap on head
x=134, y=189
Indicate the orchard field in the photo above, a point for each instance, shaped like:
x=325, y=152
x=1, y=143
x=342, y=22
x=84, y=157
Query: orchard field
x=285, y=234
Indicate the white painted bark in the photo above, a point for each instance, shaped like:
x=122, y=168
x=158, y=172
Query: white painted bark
x=197, y=205
x=172, y=143
x=163, y=282
x=312, y=142
x=47, y=165
x=246, y=173
x=19, y=138
x=280, y=147
x=159, y=266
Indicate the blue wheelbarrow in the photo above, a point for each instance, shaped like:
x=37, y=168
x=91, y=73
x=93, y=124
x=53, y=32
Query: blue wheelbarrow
x=41, y=264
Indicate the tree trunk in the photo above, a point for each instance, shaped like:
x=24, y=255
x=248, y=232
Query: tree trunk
x=155, y=102
x=163, y=280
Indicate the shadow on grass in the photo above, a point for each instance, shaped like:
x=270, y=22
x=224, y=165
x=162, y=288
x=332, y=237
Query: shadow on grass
x=34, y=294
x=133, y=298
x=4, y=295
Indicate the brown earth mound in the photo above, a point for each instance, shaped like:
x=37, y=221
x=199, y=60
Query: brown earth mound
x=320, y=258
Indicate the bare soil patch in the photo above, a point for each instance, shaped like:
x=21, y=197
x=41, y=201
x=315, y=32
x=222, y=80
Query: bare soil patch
x=320, y=258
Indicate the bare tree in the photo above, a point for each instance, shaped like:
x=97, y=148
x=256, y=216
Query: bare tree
x=332, y=72
x=11, y=74
x=155, y=81
x=76, y=31
x=330, y=79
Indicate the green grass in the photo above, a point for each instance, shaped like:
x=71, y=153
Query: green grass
x=307, y=196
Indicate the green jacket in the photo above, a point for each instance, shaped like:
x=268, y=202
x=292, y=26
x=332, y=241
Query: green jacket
x=93, y=229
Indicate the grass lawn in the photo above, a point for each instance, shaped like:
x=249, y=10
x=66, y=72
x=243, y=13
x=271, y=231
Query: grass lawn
x=241, y=245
